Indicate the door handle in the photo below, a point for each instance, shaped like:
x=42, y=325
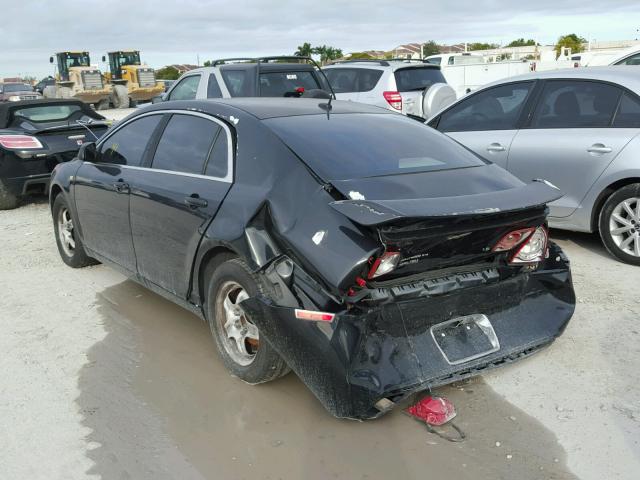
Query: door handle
x=195, y=202
x=495, y=147
x=599, y=148
x=121, y=187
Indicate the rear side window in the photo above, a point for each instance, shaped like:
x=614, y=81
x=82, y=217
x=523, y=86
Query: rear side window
x=628, y=115
x=236, y=82
x=218, y=163
x=497, y=108
x=185, y=144
x=417, y=78
x=362, y=145
x=632, y=60
x=351, y=80
x=186, y=88
x=286, y=84
x=213, y=89
x=575, y=104
x=127, y=145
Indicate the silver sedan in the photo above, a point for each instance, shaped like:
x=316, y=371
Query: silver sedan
x=578, y=129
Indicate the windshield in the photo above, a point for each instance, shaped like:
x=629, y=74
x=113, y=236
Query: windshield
x=17, y=87
x=408, y=79
x=46, y=113
x=286, y=84
x=347, y=146
x=128, y=58
x=77, y=60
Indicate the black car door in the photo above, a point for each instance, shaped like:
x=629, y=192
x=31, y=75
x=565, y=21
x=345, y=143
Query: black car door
x=102, y=191
x=174, y=201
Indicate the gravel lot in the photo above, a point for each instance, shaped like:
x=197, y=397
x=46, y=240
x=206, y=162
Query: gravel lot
x=100, y=378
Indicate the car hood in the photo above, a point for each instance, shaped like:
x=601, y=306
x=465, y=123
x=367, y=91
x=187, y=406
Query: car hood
x=465, y=191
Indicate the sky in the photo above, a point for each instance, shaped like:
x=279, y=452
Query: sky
x=183, y=31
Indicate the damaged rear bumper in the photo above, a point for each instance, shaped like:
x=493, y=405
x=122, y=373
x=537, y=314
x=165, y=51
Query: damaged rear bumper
x=390, y=351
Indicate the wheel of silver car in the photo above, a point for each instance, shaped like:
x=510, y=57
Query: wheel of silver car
x=69, y=243
x=240, y=337
x=65, y=231
x=620, y=224
x=244, y=352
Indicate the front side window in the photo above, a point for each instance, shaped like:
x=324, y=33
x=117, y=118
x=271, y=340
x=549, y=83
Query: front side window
x=628, y=114
x=417, y=78
x=350, y=80
x=127, y=145
x=497, y=108
x=575, y=104
x=185, y=144
x=213, y=89
x=186, y=88
x=632, y=60
x=286, y=84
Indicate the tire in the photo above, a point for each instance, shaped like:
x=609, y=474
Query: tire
x=120, y=96
x=133, y=103
x=8, y=201
x=255, y=361
x=619, y=224
x=72, y=253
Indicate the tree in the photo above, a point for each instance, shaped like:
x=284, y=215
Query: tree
x=208, y=63
x=167, y=73
x=521, y=42
x=327, y=53
x=481, y=46
x=304, y=50
x=572, y=41
x=430, y=48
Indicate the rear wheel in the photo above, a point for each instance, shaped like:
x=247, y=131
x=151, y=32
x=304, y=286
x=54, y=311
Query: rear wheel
x=243, y=352
x=619, y=224
x=8, y=201
x=120, y=96
x=69, y=243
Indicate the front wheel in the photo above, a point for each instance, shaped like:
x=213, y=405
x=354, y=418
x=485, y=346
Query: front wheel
x=619, y=224
x=69, y=243
x=243, y=352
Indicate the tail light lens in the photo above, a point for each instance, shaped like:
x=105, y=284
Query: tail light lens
x=534, y=249
x=394, y=99
x=511, y=239
x=384, y=264
x=19, y=142
x=314, y=316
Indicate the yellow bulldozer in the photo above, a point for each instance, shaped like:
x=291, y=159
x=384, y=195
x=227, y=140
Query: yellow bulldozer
x=76, y=78
x=132, y=82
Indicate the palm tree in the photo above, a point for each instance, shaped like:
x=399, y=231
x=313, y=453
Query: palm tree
x=304, y=50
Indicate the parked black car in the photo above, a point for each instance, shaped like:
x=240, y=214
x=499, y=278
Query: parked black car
x=369, y=253
x=36, y=135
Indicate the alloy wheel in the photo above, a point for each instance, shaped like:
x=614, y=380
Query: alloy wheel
x=624, y=226
x=65, y=232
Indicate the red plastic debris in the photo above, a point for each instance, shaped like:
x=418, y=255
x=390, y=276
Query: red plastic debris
x=433, y=410
x=361, y=282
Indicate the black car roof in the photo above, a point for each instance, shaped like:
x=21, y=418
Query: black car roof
x=6, y=109
x=269, y=107
x=267, y=67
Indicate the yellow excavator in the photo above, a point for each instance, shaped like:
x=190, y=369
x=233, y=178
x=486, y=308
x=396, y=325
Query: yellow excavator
x=132, y=82
x=76, y=78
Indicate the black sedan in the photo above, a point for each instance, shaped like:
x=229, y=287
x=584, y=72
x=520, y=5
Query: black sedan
x=369, y=253
x=36, y=135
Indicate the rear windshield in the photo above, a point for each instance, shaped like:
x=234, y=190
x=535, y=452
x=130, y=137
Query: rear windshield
x=286, y=84
x=17, y=87
x=409, y=79
x=350, y=80
x=47, y=113
x=347, y=146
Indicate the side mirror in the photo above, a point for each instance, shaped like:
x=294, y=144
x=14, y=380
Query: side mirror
x=104, y=59
x=50, y=59
x=87, y=152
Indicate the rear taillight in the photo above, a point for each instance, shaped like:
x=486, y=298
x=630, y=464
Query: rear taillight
x=512, y=239
x=19, y=142
x=394, y=99
x=384, y=264
x=314, y=316
x=534, y=249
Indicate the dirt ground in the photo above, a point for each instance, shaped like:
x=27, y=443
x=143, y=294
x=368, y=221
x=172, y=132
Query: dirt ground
x=100, y=378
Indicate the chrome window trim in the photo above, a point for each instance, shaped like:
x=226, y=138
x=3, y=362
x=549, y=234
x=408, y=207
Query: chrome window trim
x=228, y=178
